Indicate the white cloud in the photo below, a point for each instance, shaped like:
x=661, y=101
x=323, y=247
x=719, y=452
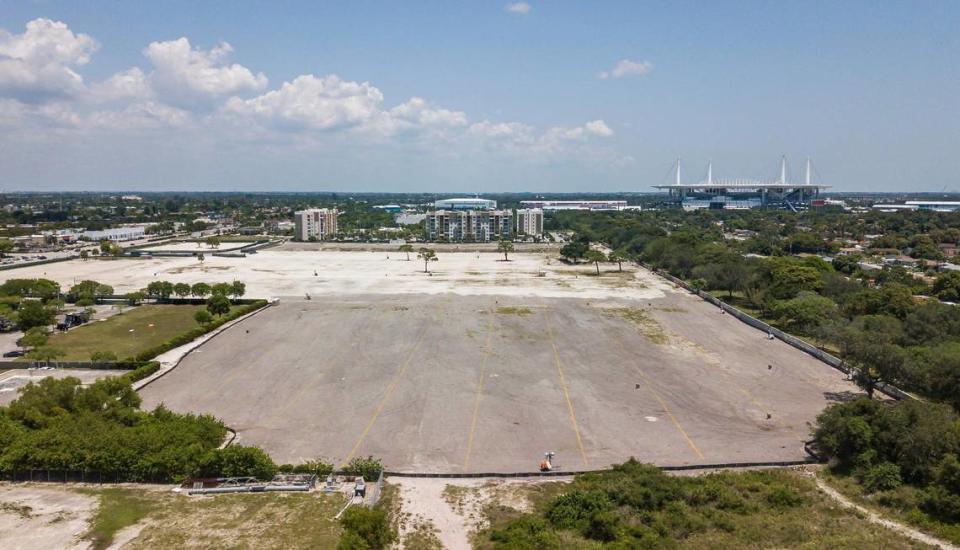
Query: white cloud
x=311, y=103
x=138, y=116
x=521, y=8
x=626, y=67
x=598, y=128
x=38, y=65
x=130, y=84
x=188, y=76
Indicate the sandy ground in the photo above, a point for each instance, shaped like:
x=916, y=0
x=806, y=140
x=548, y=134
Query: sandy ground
x=14, y=379
x=284, y=273
x=457, y=514
x=33, y=518
x=487, y=382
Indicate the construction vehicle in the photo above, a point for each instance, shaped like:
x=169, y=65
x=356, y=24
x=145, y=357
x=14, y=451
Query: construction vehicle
x=546, y=464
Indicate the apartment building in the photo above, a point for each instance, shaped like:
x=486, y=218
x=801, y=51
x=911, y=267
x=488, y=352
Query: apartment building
x=530, y=222
x=470, y=225
x=315, y=223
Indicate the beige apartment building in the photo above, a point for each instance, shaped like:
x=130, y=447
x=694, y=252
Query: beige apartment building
x=530, y=222
x=315, y=223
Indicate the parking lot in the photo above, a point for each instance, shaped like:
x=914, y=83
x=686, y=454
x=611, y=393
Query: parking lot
x=454, y=383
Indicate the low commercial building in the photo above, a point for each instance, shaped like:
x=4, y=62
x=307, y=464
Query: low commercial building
x=469, y=225
x=315, y=224
x=465, y=204
x=116, y=234
x=530, y=222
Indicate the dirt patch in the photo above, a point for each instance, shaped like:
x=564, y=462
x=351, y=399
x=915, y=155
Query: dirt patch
x=513, y=310
x=40, y=517
x=650, y=328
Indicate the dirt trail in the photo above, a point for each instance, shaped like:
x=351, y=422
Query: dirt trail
x=873, y=517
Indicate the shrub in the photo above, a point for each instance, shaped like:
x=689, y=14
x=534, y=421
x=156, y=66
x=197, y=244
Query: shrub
x=103, y=356
x=372, y=526
x=319, y=467
x=368, y=467
x=575, y=509
x=882, y=477
x=237, y=461
x=523, y=533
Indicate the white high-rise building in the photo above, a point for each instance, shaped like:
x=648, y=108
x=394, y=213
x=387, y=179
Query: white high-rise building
x=530, y=222
x=316, y=223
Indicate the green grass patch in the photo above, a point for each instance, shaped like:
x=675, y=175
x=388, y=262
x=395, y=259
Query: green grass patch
x=115, y=334
x=118, y=508
x=262, y=520
x=513, y=310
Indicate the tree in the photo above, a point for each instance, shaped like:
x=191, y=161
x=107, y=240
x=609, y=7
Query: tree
x=213, y=241
x=200, y=290
x=202, y=317
x=506, y=247
x=221, y=289
x=33, y=313
x=218, y=305
x=947, y=286
x=618, y=257
x=134, y=298
x=237, y=289
x=89, y=289
x=200, y=257
x=427, y=255
x=181, y=289
x=160, y=289
x=34, y=338
x=595, y=257
x=806, y=312
x=574, y=250
x=84, y=254
x=46, y=354
x=6, y=245
x=408, y=248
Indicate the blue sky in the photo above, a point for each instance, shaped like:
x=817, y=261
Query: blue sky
x=475, y=96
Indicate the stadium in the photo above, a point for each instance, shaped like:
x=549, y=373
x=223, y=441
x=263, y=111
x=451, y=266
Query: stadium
x=741, y=193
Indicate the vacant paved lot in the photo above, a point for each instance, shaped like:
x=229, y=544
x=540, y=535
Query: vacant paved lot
x=451, y=383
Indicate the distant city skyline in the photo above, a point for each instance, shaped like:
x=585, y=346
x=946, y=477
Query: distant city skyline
x=479, y=97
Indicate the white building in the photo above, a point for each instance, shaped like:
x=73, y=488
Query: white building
x=116, y=234
x=530, y=222
x=315, y=223
x=465, y=204
x=575, y=205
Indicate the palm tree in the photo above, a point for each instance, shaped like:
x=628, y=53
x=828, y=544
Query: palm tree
x=427, y=255
x=408, y=248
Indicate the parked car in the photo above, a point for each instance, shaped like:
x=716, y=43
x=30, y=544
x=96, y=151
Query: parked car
x=15, y=353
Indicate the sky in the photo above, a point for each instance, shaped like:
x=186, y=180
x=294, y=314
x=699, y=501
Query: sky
x=477, y=96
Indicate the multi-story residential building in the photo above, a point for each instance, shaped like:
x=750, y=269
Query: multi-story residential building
x=469, y=225
x=530, y=222
x=315, y=223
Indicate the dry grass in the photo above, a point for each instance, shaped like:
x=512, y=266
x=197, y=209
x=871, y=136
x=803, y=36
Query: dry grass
x=639, y=318
x=513, y=310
